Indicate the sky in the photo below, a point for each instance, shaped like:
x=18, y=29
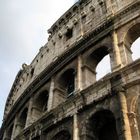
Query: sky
x=23, y=30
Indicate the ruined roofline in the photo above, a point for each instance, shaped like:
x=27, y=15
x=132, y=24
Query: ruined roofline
x=66, y=16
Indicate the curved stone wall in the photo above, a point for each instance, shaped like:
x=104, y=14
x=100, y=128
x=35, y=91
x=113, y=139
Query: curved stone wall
x=60, y=83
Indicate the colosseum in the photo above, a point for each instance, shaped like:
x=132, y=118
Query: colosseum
x=58, y=96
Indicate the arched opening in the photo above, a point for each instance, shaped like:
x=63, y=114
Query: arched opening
x=41, y=101
x=9, y=132
x=103, y=126
x=132, y=43
x=67, y=81
x=40, y=104
x=97, y=64
x=22, y=120
x=63, y=135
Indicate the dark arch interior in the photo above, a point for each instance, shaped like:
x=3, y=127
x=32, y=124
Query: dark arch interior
x=133, y=34
x=9, y=132
x=104, y=125
x=23, y=117
x=95, y=57
x=67, y=81
x=63, y=135
x=42, y=100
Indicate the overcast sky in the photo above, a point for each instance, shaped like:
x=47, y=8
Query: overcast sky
x=23, y=30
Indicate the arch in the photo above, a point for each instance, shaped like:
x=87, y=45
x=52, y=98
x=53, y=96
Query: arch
x=66, y=81
x=41, y=101
x=96, y=56
x=22, y=118
x=102, y=126
x=132, y=34
x=62, y=135
x=94, y=59
x=40, y=104
x=9, y=132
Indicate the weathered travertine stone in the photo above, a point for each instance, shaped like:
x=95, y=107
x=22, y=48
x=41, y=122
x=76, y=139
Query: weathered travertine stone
x=58, y=97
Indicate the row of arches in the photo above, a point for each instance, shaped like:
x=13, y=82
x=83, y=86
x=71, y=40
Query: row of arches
x=100, y=126
x=29, y=114
x=100, y=62
x=67, y=81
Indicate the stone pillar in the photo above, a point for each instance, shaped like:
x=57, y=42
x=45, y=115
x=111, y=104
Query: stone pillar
x=126, y=53
x=116, y=51
x=88, y=76
x=79, y=73
x=29, y=114
x=14, y=129
x=126, y=133
x=4, y=136
x=18, y=129
x=51, y=94
x=59, y=96
x=36, y=113
x=75, y=127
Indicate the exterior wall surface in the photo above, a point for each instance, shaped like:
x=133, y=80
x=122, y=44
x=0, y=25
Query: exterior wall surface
x=58, y=95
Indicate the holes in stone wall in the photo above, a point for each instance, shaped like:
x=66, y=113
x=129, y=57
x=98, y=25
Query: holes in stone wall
x=32, y=72
x=69, y=33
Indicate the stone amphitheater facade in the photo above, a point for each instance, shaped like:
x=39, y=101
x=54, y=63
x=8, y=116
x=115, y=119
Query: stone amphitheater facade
x=58, y=95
